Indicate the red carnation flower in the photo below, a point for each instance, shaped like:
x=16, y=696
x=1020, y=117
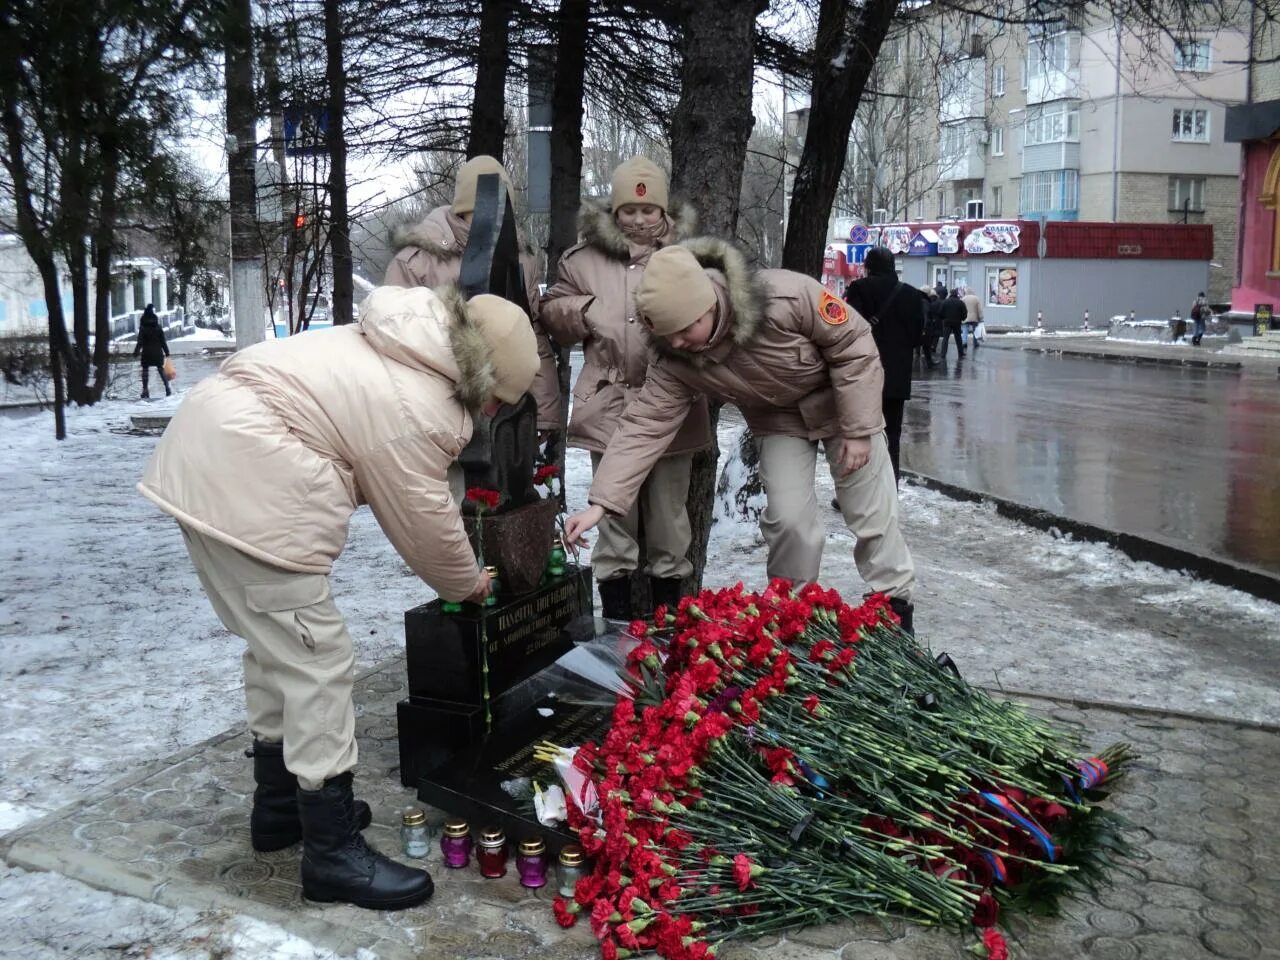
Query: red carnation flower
x=986, y=912
x=997, y=949
x=545, y=474
x=564, y=916
x=742, y=871
x=482, y=497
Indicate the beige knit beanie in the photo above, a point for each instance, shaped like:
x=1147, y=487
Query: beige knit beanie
x=638, y=180
x=674, y=291
x=513, y=349
x=464, y=187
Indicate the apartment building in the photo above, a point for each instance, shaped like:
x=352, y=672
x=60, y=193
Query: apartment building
x=1084, y=119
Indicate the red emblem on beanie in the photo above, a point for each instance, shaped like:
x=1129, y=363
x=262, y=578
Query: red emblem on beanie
x=641, y=189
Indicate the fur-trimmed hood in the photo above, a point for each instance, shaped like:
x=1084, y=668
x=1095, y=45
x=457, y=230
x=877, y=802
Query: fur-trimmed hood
x=599, y=229
x=477, y=379
x=443, y=235
x=740, y=294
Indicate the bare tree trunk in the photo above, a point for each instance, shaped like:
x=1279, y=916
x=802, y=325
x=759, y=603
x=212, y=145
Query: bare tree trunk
x=566, y=129
x=103, y=248
x=842, y=61
x=246, y=253
x=336, y=143
x=489, y=107
x=709, y=133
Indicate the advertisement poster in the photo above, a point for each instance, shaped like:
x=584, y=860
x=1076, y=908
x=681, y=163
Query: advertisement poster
x=948, y=238
x=1002, y=286
x=993, y=238
x=897, y=239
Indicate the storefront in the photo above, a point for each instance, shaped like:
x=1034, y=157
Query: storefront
x=1256, y=127
x=1057, y=276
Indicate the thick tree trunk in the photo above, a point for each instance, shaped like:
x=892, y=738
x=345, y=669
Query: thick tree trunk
x=566, y=130
x=842, y=61
x=709, y=133
x=246, y=255
x=489, y=107
x=336, y=143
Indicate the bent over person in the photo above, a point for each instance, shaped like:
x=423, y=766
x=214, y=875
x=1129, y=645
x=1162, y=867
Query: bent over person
x=593, y=301
x=263, y=465
x=803, y=368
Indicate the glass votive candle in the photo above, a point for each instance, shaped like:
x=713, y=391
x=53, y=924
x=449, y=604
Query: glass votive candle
x=492, y=599
x=455, y=844
x=491, y=853
x=415, y=835
x=531, y=863
x=570, y=868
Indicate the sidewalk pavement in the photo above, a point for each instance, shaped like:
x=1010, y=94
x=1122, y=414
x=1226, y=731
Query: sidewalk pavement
x=1098, y=347
x=1203, y=882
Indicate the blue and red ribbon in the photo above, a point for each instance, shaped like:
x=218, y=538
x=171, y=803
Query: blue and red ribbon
x=1000, y=803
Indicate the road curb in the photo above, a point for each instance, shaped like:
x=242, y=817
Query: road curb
x=1255, y=582
x=1138, y=359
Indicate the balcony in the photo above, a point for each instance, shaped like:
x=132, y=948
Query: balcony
x=962, y=153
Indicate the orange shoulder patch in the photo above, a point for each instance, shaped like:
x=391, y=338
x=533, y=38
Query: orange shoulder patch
x=832, y=309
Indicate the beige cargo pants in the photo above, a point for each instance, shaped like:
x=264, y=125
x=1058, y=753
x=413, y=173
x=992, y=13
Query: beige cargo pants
x=299, y=665
x=793, y=528
x=662, y=508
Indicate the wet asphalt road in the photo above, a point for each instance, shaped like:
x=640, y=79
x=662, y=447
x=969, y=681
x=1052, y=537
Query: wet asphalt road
x=1187, y=457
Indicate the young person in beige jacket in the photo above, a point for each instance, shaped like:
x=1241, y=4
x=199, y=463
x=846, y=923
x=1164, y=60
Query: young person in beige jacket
x=802, y=367
x=429, y=254
x=593, y=302
x=263, y=465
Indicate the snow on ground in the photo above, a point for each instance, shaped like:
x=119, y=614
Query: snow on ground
x=112, y=656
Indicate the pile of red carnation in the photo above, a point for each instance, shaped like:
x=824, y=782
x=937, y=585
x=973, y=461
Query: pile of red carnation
x=788, y=759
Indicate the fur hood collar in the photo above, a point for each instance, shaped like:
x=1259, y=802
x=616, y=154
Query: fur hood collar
x=476, y=378
x=435, y=234
x=740, y=294
x=600, y=230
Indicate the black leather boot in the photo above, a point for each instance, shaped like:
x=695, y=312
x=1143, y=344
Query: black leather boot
x=338, y=866
x=906, y=613
x=274, y=823
x=665, y=590
x=615, y=598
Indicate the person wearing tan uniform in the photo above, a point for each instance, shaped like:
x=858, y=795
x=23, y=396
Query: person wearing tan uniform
x=593, y=302
x=972, y=317
x=802, y=367
x=263, y=465
x=429, y=254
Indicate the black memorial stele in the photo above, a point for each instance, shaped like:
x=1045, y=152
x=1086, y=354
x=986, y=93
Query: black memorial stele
x=457, y=747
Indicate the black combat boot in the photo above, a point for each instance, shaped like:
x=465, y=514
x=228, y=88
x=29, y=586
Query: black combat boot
x=665, y=590
x=274, y=823
x=338, y=866
x=615, y=598
x=906, y=613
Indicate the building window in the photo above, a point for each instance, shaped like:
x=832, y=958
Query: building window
x=1049, y=190
x=1048, y=56
x=955, y=141
x=1192, y=55
x=997, y=141
x=997, y=80
x=942, y=204
x=1191, y=126
x=920, y=209
x=1054, y=123
x=997, y=202
x=1186, y=194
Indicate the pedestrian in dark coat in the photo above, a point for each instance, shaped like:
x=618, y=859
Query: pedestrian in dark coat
x=933, y=327
x=954, y=313
x=896, y=313
x=153, y=348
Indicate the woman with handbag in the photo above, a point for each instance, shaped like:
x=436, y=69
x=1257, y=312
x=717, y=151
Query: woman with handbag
x=153, y=348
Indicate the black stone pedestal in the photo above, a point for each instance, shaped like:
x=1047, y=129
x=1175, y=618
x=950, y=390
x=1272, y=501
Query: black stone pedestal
x=444, y=749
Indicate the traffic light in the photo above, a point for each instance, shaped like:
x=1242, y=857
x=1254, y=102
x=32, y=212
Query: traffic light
x=299, y=221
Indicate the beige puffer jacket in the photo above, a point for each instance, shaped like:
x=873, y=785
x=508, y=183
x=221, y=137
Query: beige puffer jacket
x=593, y=301
x=429, y=254
x=274, y=452
x=794, y=359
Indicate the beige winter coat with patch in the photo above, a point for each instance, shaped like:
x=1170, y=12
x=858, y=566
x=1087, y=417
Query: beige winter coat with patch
x=429, y=254
x=593, y=302
x=274, y=452
x=795, y=360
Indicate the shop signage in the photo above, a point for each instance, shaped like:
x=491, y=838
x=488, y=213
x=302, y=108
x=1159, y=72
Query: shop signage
x=1262, y=317
x=1129, y=250
x=948, y=238
x=897, y=239
x=923, y=244
x=993, y=238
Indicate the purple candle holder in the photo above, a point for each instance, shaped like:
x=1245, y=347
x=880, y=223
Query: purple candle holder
x=455, y=844
x=531, y=863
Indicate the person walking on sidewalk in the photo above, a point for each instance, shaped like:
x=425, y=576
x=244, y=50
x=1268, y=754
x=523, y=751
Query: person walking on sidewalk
x=896, y=313
x=153, y=348
x=429, y=254
x=592, y=302
x=1200, y=314
x=972, y=318
x=954, y=312
x=802, y=367
x=263, y=465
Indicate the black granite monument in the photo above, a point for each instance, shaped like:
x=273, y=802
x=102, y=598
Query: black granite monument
x=476, y=707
